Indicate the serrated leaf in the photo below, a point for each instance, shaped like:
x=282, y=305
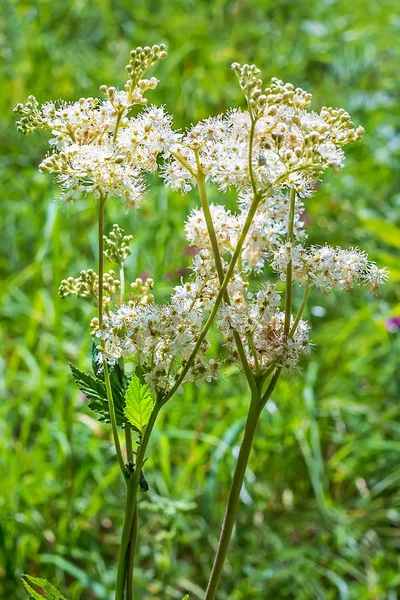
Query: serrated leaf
x=119, y=380
x=139, y=403
x=51, y=593
x=95, y=391
x=92, y=387
x=32, y=593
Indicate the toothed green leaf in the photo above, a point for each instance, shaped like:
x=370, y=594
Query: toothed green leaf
x=51, y=593
x=95, y=391
x=139, y=403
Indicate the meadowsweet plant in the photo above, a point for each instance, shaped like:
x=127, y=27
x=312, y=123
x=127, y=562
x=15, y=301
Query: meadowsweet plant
x=272, y=153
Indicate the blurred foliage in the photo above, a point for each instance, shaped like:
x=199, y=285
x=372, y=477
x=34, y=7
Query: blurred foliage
x=320, y=516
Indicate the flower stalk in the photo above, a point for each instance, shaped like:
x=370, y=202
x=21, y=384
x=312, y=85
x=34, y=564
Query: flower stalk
x=101, y=146
x=127, y=539
x=289, y=270
x=258, y=401
x=111, y=408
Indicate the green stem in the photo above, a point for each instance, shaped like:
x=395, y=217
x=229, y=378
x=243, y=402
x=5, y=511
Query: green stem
x=201, y=183
x=102, y=203
x=301, y=309
x=133, y=483
x=270, y=388
x=129, y=559
x=184, y=162
x=119, y=117
x=250, y=156
x=128, y=443
x=289, y=268
x=122, y=283
x=131, y=554
x=218, y=300
x=126, y=533
x=233, y=499
x=257, y=404
x=113, y=419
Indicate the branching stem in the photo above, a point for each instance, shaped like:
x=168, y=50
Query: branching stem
x=102, y=202
x=127, y=541
x=301, y=309
x=256, y=406
x=201, y=183
x=258, y=402
x=289, y=269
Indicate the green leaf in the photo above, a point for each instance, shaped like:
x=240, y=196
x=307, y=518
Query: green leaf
x=32, y=593
x=139, y=403
x=92, y=387
x=51, y=593
x=95, y=391
x=186, y=597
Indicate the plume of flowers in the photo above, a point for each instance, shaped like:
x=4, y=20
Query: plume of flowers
x=290, y=145
x=97, y=146
x=160, y=338
x=328, y=268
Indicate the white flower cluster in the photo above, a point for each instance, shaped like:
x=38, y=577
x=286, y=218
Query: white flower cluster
x=276, y=145
x=98, y=146
x=328, y=268
x=260, y=325
x=268, y=228
x=290, y=148
x=203, y=288
x=160, y=338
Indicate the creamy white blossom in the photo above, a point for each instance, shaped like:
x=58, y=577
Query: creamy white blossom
x=328, y=268
x=260, y=324
x=97, y=146
x=272, y=154
x=291, y=145
x=160, y=339
x=269, y=227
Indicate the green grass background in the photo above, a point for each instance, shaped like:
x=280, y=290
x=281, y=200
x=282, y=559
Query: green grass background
x=320, y=511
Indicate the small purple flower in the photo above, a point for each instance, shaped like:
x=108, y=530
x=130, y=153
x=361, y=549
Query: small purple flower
x=393, y=324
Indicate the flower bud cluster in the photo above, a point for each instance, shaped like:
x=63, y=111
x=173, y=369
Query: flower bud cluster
x=141, y=291
x=291, y=146
x=31, y=116
x=87, y=285
x=328, y=268
x=98, y=147
x=251, y=86
x=279, y=92
x=141, y=60
x=260, y=325
x=117, y=245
